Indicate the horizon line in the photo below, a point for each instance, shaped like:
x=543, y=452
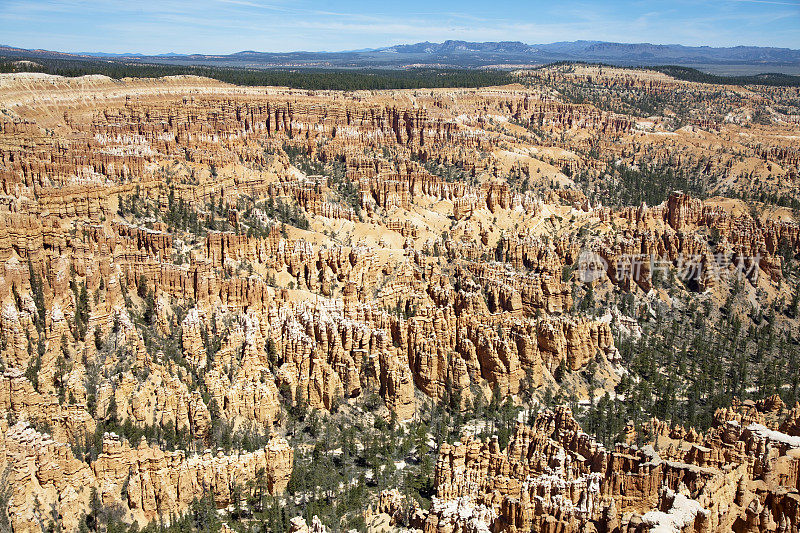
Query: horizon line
x=380, y=48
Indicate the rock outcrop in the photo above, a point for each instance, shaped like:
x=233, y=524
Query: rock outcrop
x=143, y=481
x=553, y=477
x=185, y=259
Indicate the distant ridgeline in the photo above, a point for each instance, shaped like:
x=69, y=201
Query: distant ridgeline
x=691, y=74
x=304, y=78
x=338, y=78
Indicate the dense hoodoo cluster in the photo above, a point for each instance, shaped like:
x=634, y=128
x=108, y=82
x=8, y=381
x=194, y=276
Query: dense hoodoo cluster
x=146, y=480
x=741, y=475
x=188, y=268
x=554, y=477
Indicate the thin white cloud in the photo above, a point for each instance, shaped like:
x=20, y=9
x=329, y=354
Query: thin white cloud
x=773, y=2
x=224, y=26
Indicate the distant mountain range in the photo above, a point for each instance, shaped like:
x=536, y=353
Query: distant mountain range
x=464, y=54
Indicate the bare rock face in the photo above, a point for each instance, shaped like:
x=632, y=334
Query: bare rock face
x=144, y=481
x=791, y=425
x=19, y=400
x=43, y=470
x=391, y=504
x=160, y=399
x=178, y=255
x=298, y=525
x=397, y=385
x=554, y=477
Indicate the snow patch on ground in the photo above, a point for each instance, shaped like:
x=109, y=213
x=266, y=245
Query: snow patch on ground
x=775, y=436
x=683, y=513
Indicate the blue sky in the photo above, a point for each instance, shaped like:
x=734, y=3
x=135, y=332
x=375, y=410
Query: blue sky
x=226, y=26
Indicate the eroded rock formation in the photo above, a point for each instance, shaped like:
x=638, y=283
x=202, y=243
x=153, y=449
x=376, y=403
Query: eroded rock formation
x=554, y=477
